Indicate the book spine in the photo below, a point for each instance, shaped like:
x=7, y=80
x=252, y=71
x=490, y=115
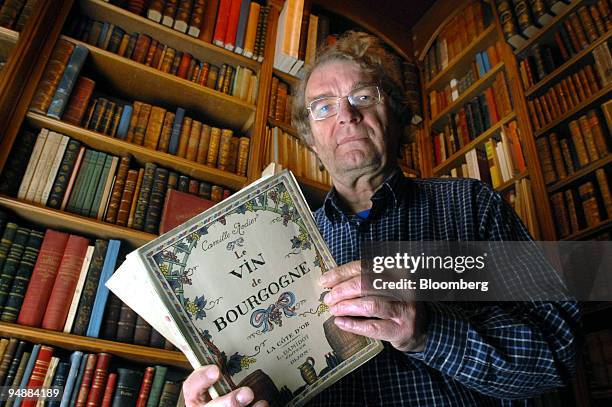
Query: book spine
x=604, y=189
x=143, y=198
x=63, y=174
x=51, y=77
x=11, y=264
x=126, y=324
x=38, y=373
x=111, y=318
x=156, y=387
x=99, y=379
x=128, y=383
x=590, y=206
x=43, y=278
x=126, y=198
x=154, y=127
x=130, y=222
x=7, y=357
x=176, y=131
x=59, y=381
x=142, y=332
x=141, y=124
x=79, y=101
x=84, y=387
x=184, y=137
x=65, y=85
x=74, y=303
x=210, y=16
x=65, y=283
x=111, y=383
x=170, y=394
x=145, y=387
x=16, y=361
x=193, y=140
x=156, y=200
x=197, y=18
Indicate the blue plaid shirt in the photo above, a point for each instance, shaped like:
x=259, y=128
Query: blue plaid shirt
x=477, y=353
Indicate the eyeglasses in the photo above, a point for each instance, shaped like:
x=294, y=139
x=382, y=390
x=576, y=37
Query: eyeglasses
x=359, y=98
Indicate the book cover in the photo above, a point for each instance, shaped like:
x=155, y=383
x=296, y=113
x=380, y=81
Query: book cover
x=212, y=318
x=180, y=207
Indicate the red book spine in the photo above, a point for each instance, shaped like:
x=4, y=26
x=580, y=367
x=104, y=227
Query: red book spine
x=493, y=112
x=107, y=401
x=184, y=65
x=222, y=22
x=86, y=382
x=38, y=373
x=99, y=379
x=145, y=387
x=43, y=277
x=232, y=24
x=65, y=283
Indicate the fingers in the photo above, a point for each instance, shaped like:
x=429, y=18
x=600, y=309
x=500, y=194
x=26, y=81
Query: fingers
x=382, y=329
x=195, y=387
x=345, y=290
x=340, y=274
x=237, y=398
x=368, y=307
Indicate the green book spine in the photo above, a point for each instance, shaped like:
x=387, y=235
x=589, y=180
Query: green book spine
x=12, y=263
x=63, y=174
x=92, y=184
x=156, y=202
x=7, y=241
x=79, y=184
x=170, y=394
x=81, y=320
x=22, y=277
x=93, y=211
x=143, y=198
x=157, y=386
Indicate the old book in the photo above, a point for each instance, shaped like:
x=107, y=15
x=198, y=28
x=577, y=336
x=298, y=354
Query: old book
x=109, y=389
x=132, y=212
x=126, y=324
x=43, y=277
x=180, y=207
x=154, y=127
x=74, y=303
x=143, y=196
x=561, y=214
x=156, y=200
x=213, y=149
x=243, y=156
x=568, y=158
x=571, y=210
x=127, y=195
x=7, y=357
x=142, y=332
x=579, y=143
x=19, y=359
x=141, y=123
x=67, y=81
x=39, y=371
x=85, y=384
x=166, y=132
x=53, y=73
x=98, y=380
x=590, y=206
x=604, y=189
x=79, y=100
x=128, y=383
x=308, y=257
x=33, y=162
x=193, y=140
x=204, y=144
x=196, y=20
x=11, y=264
x=117, y=190
x=183, y=139
x=557, y=156
x=111, y=317
x=65, y=283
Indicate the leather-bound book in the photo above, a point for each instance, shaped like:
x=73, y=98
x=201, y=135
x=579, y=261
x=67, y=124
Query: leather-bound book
x=65, y=283
x=156, y=200
x=213, y=149
x=140, y=49
x=96, y=393
x=43, y=278
x=590, y=206
x=204, y=144
x=170, y=394
x=141, y=123
x=193, y=140
x=11, y=263
x=145, y=387
x=557, y=156
x=126, y=198
x=111, y=317
x=143, y=196
x=561, y=215
x=117, y=191
x=179, y=207
x=86, y=381
x=128, y=384
x=197, y=18
x=579, y=144
x=142, y=332
x=604, y=189
x=79, y=100
x=126, y=324
x=184, y=137
x=154, y=127
x=38, y=373
x=166, y=132
x=243, y=156
x=225, y=146
x=109, y=389
x=148, y=61
x=571, y=210
x=568, y=157
x=53, y=73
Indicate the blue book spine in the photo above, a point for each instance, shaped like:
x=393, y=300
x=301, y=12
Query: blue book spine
x=77, y=383
x=242, y=23
x=59, y=380
x=75, y=363
x=66, y=84
x=97, y=311
x=27, y=373
x=176, y=130
x=124, y=122
x=480, y=64
x=485, y=61
x=103, y=33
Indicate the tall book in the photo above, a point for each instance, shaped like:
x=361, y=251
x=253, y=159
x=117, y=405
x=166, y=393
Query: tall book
x=66, y=83
x=38, y=373
x=51, y=77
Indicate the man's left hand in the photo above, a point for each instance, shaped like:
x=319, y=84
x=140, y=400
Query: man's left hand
x=401, y=323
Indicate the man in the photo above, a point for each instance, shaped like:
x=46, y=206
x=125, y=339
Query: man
x=350, y=111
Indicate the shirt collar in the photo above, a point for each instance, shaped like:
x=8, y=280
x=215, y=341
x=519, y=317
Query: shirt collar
x=387, y=194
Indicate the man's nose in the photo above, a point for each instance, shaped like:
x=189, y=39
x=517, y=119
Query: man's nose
x=347, y=113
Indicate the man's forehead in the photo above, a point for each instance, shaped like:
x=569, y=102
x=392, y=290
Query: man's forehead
x=336, y=75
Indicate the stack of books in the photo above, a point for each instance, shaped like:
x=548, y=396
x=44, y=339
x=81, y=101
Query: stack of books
x=15, y=13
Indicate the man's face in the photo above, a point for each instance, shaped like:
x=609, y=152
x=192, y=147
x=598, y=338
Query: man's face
x=355, y=141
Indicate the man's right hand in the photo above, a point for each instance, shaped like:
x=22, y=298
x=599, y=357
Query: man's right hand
x=195, y=390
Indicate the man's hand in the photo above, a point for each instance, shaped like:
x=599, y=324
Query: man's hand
x=400, y=323
x=195, y=390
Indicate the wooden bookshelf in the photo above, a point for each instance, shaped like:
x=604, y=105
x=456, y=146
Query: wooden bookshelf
x=103, y=11
x=140, y=82
x=141, y=154
x=449, y=162
x=586, y=103
x=510, y=183
x=56, y=219
x=283, y=126
x=588, y=169
x=568, y=64
x=476, y=88
x=134, y=353
x=553, y=23
x=8, y=39
x=291, y=80
x=463, y=61
x=590, y=231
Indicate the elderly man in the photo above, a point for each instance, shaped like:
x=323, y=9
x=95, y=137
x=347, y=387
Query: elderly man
x=350, y=111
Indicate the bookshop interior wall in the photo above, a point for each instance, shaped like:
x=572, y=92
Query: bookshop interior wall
x=121, y=119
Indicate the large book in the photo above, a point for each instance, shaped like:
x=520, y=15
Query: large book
x=228, y=237
x=38, y=373
x=66, y=83
x=51, y=77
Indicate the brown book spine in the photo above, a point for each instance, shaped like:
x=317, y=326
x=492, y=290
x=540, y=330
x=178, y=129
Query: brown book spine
x=599, y=23
x=210, y=17
x=96, y=393
x=216, y=193
x=141, y=124
x=571, y=34
x=534, y=116
x=197, y=18
x=154, y=127
x=183, y=67
x=590, y=206
x=598, y=134
x=589, y=139
x=273, y=96
x=53, y=73
x=184, y=137
x=557, y=156
x=107, y=400
x=159, y=53
x=141, y=49
x=281, y=101
x=105, y=123
x=565, y=55
x=213, y=149
x=142, y=331
x=546, y=160
x=588, y=23
x=233, y=158
x=578, y=141
x=243, y=156
x=582, y=94
x=571, y=209
x=567, y=156
x=79, y=100
x=561, y=215
x=546, y=109
x=166, y=63
x=169, y=12
x=88, y=374
x=133, y=121
x=579, y=31
x=126, y=324
x=166, y=132
x=604, y=188
x=117, y=192
x=193, y=140
x=225, y=146
x=176, y=62
x=204, y=74
x=151, y=52
x=130, y=221
x=145, y=387
x=193, y=187
x=204, y=144
x=144, y=196
x=591, y=79
x=561, y=97
x=126, y=198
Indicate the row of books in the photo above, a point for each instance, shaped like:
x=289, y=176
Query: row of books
x=599, y=358
x=521, y=200
x=80, y=379
x=287, y=150
x=577, y=32
x=561, y=155
x=564, y=96
x=483, y=62
x=236, y=25
x=239, y=81
x=585, y=206
x=521, y=19
x=456, y=36
x=280, y=101
x=409, y=155
x=603, y=63
x=474, y=117
x=15, y=13
x=63, y=174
